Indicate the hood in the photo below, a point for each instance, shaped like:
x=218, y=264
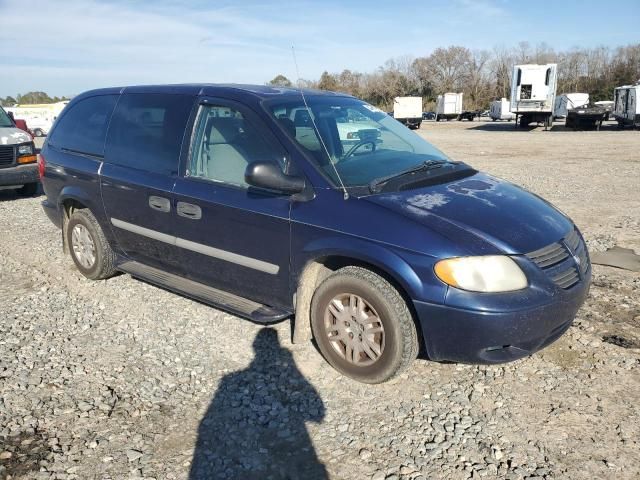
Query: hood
x=13, y=136
x=485, y=209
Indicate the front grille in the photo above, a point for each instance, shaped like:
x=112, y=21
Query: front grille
x=549, y=255
x=7, y=155
x=565, y=261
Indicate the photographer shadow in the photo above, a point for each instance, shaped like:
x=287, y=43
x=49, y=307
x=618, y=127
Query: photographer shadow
x=255, y=427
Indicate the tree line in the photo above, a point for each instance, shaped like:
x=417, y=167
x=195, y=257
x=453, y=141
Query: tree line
x=482, y=75
x=29, y=98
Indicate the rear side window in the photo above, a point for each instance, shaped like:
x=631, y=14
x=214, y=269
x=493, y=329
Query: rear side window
x=84, y=126
x=146, y=131
x=547, y=77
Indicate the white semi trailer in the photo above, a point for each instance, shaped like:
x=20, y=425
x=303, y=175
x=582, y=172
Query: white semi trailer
x=501, y=110
x=408, y=110
x=448, y=106
x=626, y=108
x=533, y=93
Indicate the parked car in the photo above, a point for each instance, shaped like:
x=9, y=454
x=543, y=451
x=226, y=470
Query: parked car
x=428, y=115
x=17, y=157
x=374, y=248
x=20, y=123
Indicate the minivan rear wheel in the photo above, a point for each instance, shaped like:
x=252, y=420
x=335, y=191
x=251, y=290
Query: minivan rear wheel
x=362, y=325
x=88, y=246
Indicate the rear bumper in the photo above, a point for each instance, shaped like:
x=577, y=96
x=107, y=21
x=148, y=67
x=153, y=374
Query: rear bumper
x=472, y=336
x=19, y=175
x=52, y=212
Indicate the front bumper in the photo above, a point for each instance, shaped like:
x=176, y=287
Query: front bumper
x=19, y=175
x=476, y=336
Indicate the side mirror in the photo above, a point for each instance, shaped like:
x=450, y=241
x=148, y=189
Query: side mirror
x=269, y=176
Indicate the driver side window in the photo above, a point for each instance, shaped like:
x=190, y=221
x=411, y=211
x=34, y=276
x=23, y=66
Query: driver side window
x=225, y=143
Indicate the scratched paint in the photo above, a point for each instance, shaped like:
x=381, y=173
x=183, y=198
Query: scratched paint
x=475, y=189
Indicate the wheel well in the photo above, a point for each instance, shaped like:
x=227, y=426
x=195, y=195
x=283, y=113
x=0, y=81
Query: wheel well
x=319, y=269
x=69, y=206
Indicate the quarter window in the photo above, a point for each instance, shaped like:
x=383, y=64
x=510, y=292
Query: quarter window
x=225, y=143
x=84, y=126
x=147, y=130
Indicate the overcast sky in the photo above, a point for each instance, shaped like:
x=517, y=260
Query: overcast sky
x=68, y=46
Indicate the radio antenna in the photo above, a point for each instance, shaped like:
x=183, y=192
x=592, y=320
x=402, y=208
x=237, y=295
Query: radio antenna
x=315, y=127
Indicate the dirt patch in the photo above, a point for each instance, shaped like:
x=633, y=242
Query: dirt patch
x=621, y=341
x=21, y=455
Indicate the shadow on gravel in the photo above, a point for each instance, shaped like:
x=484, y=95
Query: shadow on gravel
x=254, y=427
x=503, y=127
x=10, y=194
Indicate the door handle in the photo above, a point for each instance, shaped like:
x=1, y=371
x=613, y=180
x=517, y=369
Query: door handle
x=189, y=210
x=160, y=204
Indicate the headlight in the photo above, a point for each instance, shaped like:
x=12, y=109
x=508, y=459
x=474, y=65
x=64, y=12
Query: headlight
x=491, y=273
x=25, y=149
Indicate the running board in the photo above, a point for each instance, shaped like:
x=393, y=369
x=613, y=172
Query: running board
x=241, y=306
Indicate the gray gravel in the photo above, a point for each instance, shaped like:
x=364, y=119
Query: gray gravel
x=119, y=379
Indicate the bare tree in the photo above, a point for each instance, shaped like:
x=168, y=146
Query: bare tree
x=484, y=75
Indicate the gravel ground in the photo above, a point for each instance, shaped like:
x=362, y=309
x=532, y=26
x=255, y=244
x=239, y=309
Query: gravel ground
x=119, y=379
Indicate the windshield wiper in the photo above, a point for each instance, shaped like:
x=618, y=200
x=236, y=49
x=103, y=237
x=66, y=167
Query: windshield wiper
x=376, y=183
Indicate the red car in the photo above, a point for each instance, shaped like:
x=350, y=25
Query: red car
x=21, y=124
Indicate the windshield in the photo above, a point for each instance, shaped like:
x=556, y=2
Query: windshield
x=363, y=142
x=5, y=121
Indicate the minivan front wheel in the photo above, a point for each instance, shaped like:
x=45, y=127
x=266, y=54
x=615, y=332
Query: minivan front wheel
x=362, y=325
x=88, y=246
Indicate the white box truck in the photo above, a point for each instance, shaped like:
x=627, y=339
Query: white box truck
x=569, y=101
x=626, y=108
x=533, y=93
x=408, y=110
x=39, y=117
x=501, y=110
x=448, y=106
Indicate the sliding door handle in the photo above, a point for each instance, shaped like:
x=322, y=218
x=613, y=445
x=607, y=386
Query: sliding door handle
x=160, y=204
x=189, y=210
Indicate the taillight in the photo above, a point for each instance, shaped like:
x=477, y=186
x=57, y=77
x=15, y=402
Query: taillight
x=42, y=163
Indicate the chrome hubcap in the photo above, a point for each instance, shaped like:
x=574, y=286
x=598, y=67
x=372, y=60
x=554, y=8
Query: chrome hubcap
x=83, y=247
x=354, y=329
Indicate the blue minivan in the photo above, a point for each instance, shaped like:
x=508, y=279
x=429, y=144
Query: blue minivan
x=272, y=203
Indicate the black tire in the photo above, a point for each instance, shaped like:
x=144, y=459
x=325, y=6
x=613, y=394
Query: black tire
x=103, y=265
x=400, y=345
x=38, y=133
x=28, y=189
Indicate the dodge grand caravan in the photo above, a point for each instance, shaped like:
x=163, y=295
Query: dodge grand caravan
x=231, y=196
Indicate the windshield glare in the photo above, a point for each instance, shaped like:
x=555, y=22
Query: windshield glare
x=5, y=121
x=363, y=142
